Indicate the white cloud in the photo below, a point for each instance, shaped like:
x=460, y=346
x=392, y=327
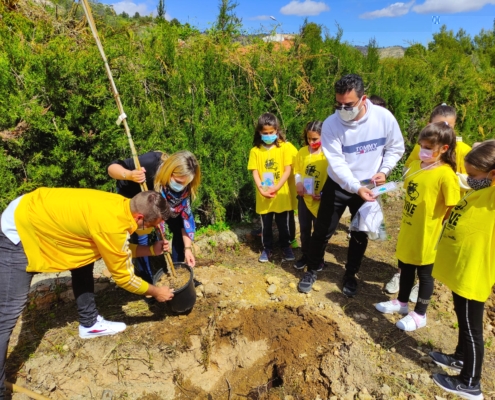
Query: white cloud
x=450, y=6
x=260, y=18
x=393, y=10
x=132, y=8
x=304, y=8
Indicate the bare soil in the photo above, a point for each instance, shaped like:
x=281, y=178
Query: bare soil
x=251, y=335
x=181, y=277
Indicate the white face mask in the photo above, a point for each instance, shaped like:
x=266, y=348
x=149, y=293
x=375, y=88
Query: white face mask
x=349, y=115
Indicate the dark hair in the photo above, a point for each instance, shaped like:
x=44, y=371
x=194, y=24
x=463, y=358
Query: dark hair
x=313, y=126
x=482, y=157
x=151, y=204
x=378, y=101
x=349, y=82
x=267, y=119
x=443, y=110
x=440, y=133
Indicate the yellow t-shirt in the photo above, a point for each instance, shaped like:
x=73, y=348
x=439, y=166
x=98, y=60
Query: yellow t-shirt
x=461, y=149
x=271, y=162
x=312, y=166
x=429, y=193
x=64, y=229
x=465, y=260
x=292, y=181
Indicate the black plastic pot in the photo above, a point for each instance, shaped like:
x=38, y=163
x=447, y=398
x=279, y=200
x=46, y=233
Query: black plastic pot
x=185, y=296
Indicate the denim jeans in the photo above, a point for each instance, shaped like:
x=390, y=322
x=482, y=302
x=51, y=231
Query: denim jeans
x=14, y=290
x=175, y=226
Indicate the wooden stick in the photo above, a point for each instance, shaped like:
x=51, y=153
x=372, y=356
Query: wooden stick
x=122, y=116
x=19, y=389
x=168, y=259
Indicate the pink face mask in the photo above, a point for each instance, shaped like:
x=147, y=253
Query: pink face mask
x=425, y=154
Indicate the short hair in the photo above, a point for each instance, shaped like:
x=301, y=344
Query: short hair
x=181, y=163
x=482, y=157
x=378, y=101
x=151, y=204
x=349, y=82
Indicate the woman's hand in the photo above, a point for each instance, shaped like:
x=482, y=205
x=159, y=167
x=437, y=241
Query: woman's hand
x=189, y=258
x=137, y=175
x=300, y=189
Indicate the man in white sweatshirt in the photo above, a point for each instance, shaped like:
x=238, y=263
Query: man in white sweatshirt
x=361, y=141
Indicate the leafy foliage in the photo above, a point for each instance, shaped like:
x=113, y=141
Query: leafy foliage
x=185, y=90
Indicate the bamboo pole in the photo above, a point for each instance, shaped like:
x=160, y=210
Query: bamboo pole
x=122, y=117
x=19, y=389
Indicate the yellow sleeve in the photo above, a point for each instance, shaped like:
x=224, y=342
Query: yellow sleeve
x=114, y=250
x=451, y=189
x=298, y=163
x=461, y=150
x=290, y=153
x=253, y=159
x=413, y=156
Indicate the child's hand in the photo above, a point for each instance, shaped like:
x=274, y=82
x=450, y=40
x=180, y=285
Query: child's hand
x=300, y=189
x=267, y=193
x=316, y=197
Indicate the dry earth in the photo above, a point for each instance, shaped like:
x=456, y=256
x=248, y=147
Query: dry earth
x=251, y=335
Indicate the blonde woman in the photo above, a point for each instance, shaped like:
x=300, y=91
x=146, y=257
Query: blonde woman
x=177, y=178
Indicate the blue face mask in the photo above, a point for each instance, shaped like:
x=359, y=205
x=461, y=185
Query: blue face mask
x=176, y=187
x=269, y=139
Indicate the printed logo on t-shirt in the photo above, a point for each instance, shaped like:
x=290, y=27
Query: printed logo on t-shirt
x=462, y=204
x=364, y=147
x=311, y=171
x=413, y=194
x=271, y=164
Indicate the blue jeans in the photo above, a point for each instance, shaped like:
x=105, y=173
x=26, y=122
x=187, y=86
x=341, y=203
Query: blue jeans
x=143, y=267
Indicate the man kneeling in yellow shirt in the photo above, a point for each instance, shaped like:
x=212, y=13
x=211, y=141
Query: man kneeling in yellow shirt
x=55, y=230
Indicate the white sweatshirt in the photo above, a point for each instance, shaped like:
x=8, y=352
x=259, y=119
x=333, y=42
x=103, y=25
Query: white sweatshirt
x=357, y=150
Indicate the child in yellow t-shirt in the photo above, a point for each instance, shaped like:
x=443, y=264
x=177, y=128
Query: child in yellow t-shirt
x=441, y=113
x=432, y=191
x=270, y=162
x=465, y=263
x=310, y=171
x=293, y=196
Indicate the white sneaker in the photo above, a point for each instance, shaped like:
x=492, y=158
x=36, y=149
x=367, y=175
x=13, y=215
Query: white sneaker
x=392, y=306
x=413, y=296
x=411, y=322
x=393, y=285
x=102, y=327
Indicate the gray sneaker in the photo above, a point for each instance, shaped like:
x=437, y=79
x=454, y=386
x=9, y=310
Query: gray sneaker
x=306, y=283
x=446, y=360
x=413, y=296
x=453, y=384
x=393, y=285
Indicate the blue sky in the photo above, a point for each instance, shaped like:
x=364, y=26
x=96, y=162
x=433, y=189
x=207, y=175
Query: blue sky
x=390, y=23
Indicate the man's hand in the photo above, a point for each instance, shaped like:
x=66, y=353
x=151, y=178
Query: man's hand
x=300, y=189
x=161, y=247
x=379, y=179
x=161, y=294
x=366, y=194
x=189, y=258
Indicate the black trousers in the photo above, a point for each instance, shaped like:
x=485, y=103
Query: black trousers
x=426, y=282
x=470, y=347
x=283, y=224
x=333, y=203
x=306, y=223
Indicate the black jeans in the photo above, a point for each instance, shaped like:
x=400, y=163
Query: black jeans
x=470, y=347
x=426, y=282
x=292, y=226
x=306, y=223
x=333, y=203
x=283, y=224
x=14, y=290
